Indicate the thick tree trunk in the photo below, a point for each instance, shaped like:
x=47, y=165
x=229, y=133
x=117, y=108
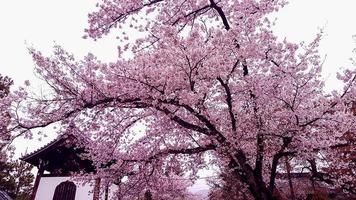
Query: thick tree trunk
x=148, y=195
x=253, y=180
x=288, y=167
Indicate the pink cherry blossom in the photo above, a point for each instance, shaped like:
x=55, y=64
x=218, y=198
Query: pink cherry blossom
x=210, y=79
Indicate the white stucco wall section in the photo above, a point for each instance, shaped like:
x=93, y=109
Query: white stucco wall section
x=48, y=185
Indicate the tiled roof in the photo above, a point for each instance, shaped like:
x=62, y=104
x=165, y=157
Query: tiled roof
x=59, y=140
x=60, y=156
x=4, y=196
x=51, y=143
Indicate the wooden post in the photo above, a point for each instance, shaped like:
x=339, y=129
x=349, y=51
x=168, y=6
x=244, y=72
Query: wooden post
x=288, y=167
x=37, y=181
x=107, y=192
x=96, y=192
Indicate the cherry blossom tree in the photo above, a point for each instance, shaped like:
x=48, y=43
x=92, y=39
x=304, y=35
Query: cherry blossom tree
x=209, y=80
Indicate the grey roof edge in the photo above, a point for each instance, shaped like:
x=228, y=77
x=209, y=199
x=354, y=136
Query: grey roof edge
x=43, y=148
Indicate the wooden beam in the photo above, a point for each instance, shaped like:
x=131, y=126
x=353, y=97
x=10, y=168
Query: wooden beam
x=96, y=192
x=37, y=181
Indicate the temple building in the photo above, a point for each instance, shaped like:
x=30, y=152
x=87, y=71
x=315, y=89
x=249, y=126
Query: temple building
x=55, y=162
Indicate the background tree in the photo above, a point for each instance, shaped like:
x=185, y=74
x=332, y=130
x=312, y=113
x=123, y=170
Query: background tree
x=209, y=78
x=16, y=179
x=15, y=176
x=5, y=83
x=24, y=180
x=7, y=182
x=5, y=102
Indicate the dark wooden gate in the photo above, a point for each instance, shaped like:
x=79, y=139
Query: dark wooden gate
x=65, y=191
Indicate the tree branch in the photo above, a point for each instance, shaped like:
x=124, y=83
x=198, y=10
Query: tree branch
x=221, y=13
x=189, y=151
x=229, y=104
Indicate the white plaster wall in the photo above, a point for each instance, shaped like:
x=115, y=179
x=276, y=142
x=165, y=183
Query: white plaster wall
x=112, y=190
x=48, y=185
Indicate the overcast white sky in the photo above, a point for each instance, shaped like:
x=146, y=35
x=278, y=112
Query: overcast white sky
x=41, y=23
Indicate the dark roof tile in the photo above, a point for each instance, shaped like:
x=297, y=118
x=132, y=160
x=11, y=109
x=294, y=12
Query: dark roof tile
x=4, y=195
